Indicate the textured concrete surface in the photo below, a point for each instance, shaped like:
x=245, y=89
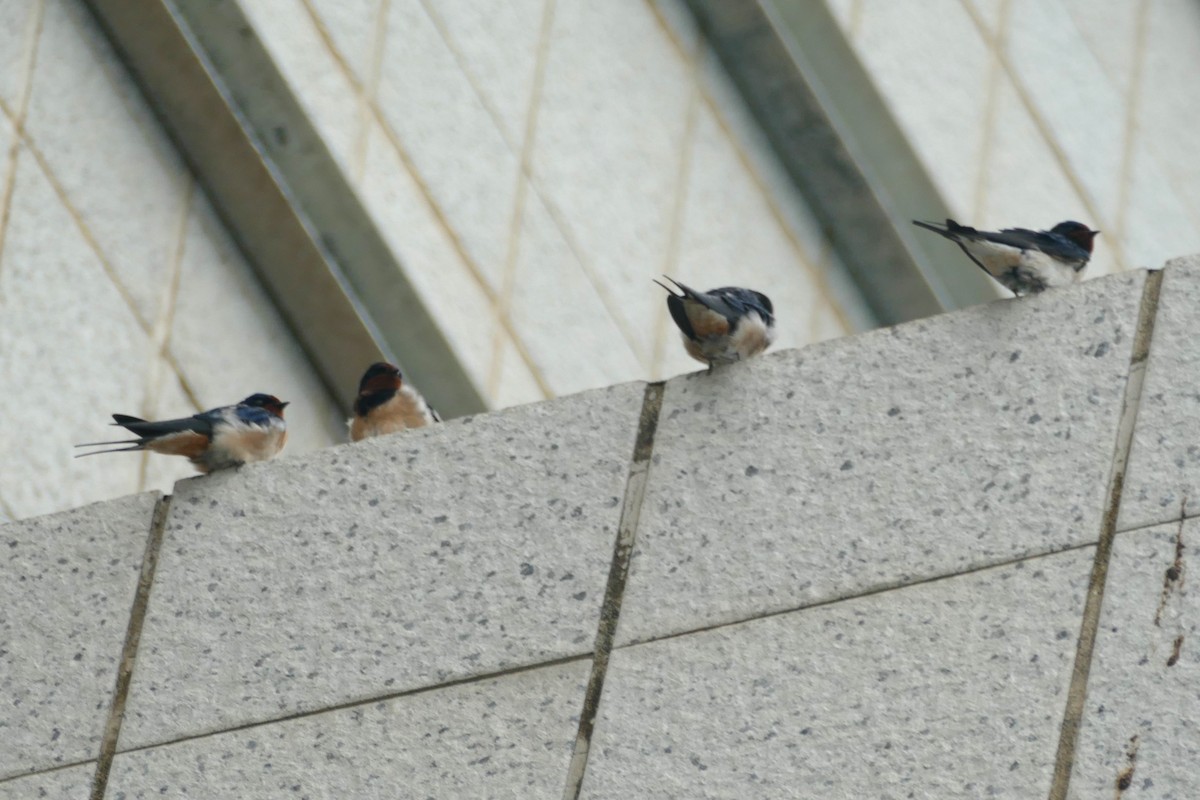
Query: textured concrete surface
x=1141, y=728
x=393, y=564
x=72, y=783
x=1164, y=464
x=68, y=581
x=954, y=688
x=942, y=445
x=506, y=737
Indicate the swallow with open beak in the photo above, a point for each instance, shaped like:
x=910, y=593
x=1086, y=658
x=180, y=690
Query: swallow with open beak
x=722, y=325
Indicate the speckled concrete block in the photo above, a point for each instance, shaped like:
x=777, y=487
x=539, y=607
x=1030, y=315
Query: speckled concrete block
x=392, y=564
x=66, y=587
x=505, y=737
x=947, y=444
x=950, y=689
x=71, y=783
x=1164, y=464
x=1141, y=726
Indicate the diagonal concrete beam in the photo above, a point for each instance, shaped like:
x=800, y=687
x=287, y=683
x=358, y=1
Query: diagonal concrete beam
x=843, y=151
x=277, y=188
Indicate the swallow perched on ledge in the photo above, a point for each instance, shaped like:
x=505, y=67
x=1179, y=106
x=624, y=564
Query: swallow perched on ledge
x=387, y=404
x=229, y=436
x=1021, y=260
x=722, y=325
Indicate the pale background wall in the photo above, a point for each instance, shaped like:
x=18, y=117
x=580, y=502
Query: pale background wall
x=535, y=163
x=119, y=290
x=1029, y=112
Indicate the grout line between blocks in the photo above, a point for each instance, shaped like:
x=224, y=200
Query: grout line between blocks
x=995, y=73
x=502, y=304
x=603, y=291
x=87, y=762
x=9, y=177
x=160, y=333
x=9, y=510
x=1133, y=97
x=358, y=703
x=370, y=88
x=133, y=635
x=891, y=586
x=678, y=217
x=610, y=610
x=94, y=245
x=1077, y=693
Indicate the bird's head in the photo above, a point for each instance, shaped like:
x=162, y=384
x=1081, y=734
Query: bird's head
x=380, y=377
x=268, y=402
x=1077, y=232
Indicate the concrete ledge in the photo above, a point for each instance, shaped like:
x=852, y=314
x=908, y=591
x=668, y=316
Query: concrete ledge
x=399, y=563
x=879, y=565
x=896, y=456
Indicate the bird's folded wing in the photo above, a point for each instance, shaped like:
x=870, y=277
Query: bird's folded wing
x=200, y=424
x=1052, y=245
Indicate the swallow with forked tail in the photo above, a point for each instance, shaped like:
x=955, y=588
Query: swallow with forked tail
x=1021, y=260
x=229, y=436
x=722, y=325
x=387, y=404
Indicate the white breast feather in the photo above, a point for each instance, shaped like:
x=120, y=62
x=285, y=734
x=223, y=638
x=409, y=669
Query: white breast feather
x=238, y=440
x=751, y=337
x=405, y=411
x=1053, y=271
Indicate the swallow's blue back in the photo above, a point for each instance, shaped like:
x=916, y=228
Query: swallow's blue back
x=1052, y=244
x=226, y=415
x=253, y=416
x=742, y=301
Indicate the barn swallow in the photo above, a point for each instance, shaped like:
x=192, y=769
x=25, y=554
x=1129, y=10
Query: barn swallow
x=387, y=404
x=229, y=436
x=1021, y=260
x=722, y=325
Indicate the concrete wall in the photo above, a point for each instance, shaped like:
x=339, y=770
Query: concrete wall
x=1028, y=112
x=886, y=565
x=534, y=164
x=119, y=290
